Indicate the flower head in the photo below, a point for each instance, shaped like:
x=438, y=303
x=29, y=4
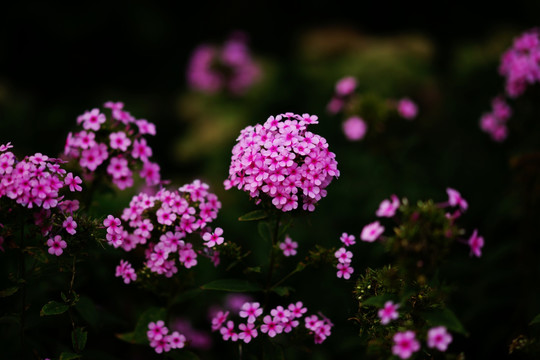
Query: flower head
x=439, y=338
x=354, y=128
x=405, y=344
x=288, y=246
x=371, y=232
x=407, y=109
x=388, y=208
x=388, y=312
x=476, y=244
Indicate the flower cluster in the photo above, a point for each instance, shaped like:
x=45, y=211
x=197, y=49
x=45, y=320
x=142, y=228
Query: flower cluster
x=160, y=339
x=175, y=215
x=347, y=101
x=37, y=182
x=405, y=343
x=344, y=257
x=115, y=144
x=229, y=67
x=283, y=161
x=278, y=320
x=520, y=67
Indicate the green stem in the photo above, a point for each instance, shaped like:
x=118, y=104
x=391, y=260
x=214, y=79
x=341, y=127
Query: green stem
x=275, y=236
x=22, y=275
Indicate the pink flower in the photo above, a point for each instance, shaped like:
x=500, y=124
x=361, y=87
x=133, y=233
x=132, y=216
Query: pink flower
x=119, y=140
x=126, y=271
x=476, y=243
x=271, y=326
x=297, y=310
x=343, y=255
x=455, y=199
x=247, y=332
x=288, y=246
x=92, y=120
x=213, y=239
x=176, y=340
x=388, y=312
x=219, y=319
x=347, y=239
x=251, y=311
x=345, y=86
x=56, y=245
x=407, y=109
x=405, y=344
x=371, y=232
x=73, y=182
x=344, y=270
x=354, y=128
x=388, y=208
x=70, y=225
x=227, y=331
x=439, y=338
x=156, y=330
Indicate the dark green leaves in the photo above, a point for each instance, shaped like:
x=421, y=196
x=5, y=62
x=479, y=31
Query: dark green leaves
x=446, y=318
x=254, y=215
x=78, y=339
x=138, y=336
x=53, y=308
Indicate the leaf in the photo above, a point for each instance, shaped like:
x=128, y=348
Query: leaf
x=446, y=318
x=9, y=291
x=138, y=336
x=87, y=309
x=53, y=308
x=232, y=285
x=254, y=215
x=378, y=300
x=282, y=290
x=69, y=356
x=264, y=231
x=78, y=339
x=536, y=320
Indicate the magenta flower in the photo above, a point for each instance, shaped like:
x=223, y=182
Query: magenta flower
x=126, y=271
x=388, y=312
x=371, y=232
x=344, y=270
x=157, y=330
x=297, y=309
x=354, y=128
x=119, y=140
x=347, y=239
x=92, y=120
x=247, y=332
x=388, y=208
x=439, y=338
x=213, y=239
x=227, y=331
x=176, y=340
x=343, y=256
x=288, y=246
x=280, y=313
x=345, y=86
x=407, y=109
x=405, y=344
x=271, y=326
x=73, y=182
x=70, y=225
x=219, y=319
x=455, y=199
x=56, y=245
x=251, y=311
x=476, y=244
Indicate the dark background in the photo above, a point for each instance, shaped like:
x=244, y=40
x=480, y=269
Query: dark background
x=58, y=60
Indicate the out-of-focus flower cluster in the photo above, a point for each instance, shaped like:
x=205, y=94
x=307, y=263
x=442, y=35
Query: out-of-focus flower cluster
x=282, y=161
x=160, y=339
x=345, y=100
x=229, y=67
x=115, y=143
x=163, y=222
x=520, y=67
x=277, y=321
x=38, y=182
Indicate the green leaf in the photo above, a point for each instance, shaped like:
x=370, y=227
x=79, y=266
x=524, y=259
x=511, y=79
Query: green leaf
x=9, y=291
x=378, y=300
x=53, y=308
x=69, y=356
x=536, y=320
x=182, y=355
x=138, y=336
x=232, y=285
x=78, y=339
x=283, y=290
x=264, y=231
x=446, y=318
x=254, y=215
x=88, y=311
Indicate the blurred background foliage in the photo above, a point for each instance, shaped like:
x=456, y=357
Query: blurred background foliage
x=56, y=62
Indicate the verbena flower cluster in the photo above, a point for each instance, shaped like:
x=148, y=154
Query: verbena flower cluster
x=282, y=161
x=163, y=222
x=344, y=257
x=520, y=67
x=277, y=321
x=345, y=100
x=229, y=67
x=160, y=339
x=115, y=143
x=37, y=182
